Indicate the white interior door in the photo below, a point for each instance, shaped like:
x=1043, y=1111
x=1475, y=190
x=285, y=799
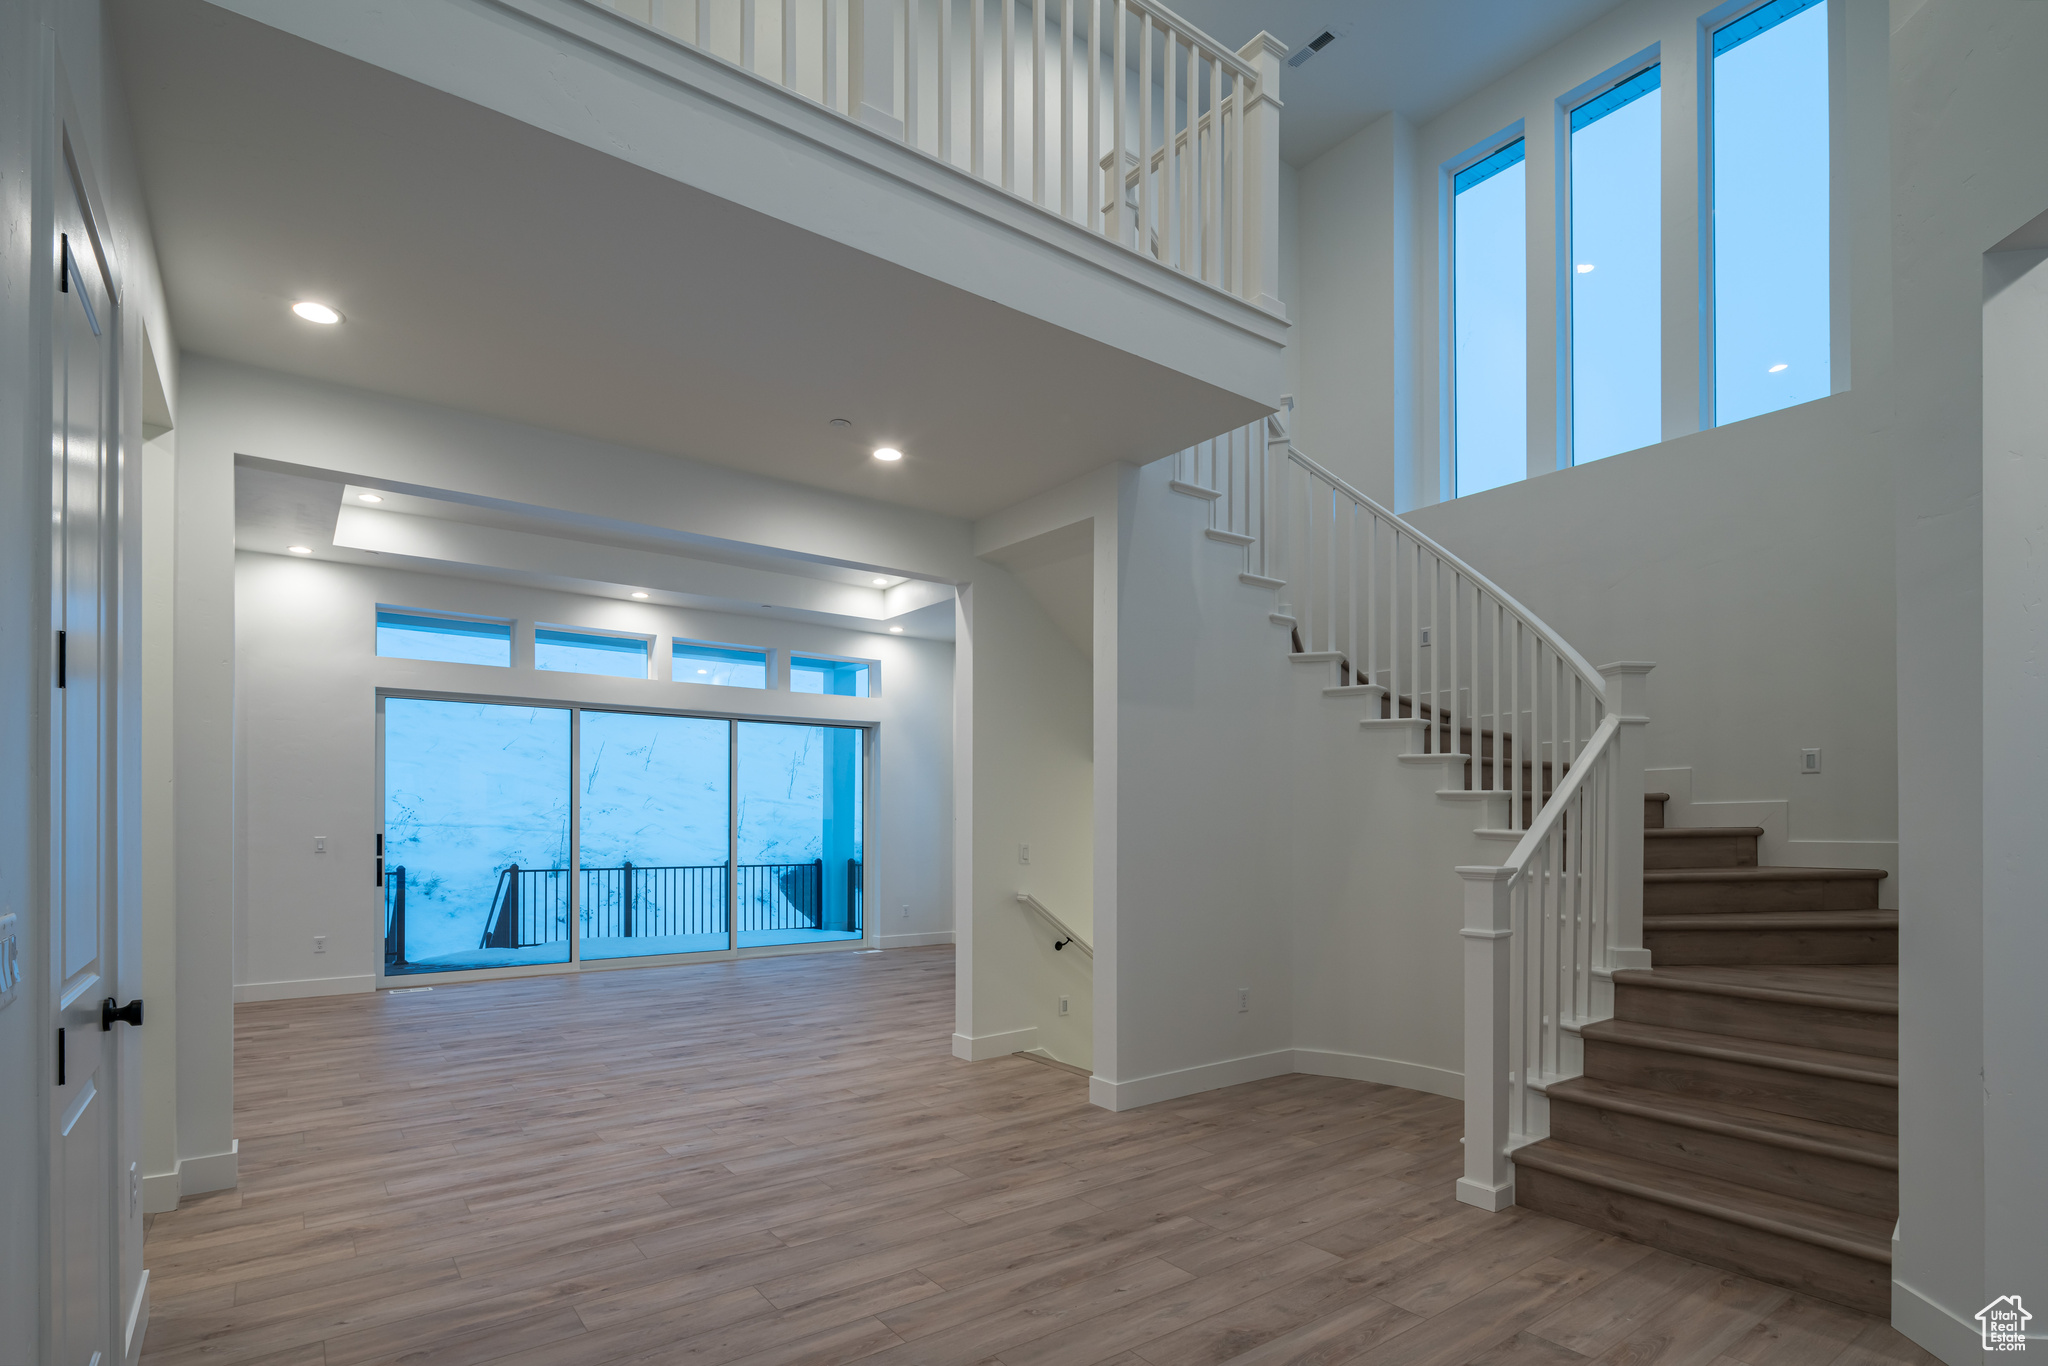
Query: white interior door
x=82, y=1177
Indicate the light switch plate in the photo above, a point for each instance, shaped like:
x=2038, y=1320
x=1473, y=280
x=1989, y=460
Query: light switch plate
x=10, y=961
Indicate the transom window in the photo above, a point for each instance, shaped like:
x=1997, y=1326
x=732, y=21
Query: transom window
x=403, y=633
x=583, y=652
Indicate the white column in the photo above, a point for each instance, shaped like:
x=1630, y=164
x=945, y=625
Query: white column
x=1626, y=692
x=1489, y=1179
x=1262, y=175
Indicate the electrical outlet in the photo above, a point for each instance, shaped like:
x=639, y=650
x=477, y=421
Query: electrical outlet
x=1023, y=853
x=1244, y=999
x=1809, y=761
x=319, y=844
x=319, y=943
x=1063, y=1005
x=906, y=912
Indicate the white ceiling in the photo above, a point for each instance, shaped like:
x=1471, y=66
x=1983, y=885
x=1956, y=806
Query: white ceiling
x=1415, y=57
x=486, y=265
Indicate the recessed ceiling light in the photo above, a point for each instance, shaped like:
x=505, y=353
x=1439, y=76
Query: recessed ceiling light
x=1776, y=368
x=639, y=595
x=895, y=630
x=300, y=549
x=881, y=583
x=887, y=453
x=1585, y=268
x=368, y=498
x=840, y=422
x=316, y=313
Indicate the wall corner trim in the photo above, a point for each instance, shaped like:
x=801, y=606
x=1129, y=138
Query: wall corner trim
x=1933, y=1326
x=980, y=1048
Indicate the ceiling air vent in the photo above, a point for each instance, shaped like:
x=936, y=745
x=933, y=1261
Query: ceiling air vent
x=1315, y=45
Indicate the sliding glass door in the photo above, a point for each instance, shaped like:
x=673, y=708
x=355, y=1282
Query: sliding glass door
x=476, y=835
x=798, y=816
x=655, y=835
x=691, y=834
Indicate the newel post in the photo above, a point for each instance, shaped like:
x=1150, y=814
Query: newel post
x=1489, y=1179
x=1261, y=142
x=1627, y=702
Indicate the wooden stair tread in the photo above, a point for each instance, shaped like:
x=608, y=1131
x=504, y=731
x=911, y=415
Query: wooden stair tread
x=1700, y=832
x=1871, y=988
x=1764, y=874
x=1773, y=920
x=1736, y=1121
x=1820, y=1062
x=1853, y=1234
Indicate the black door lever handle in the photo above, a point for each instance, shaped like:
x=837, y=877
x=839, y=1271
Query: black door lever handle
x=110, y=1011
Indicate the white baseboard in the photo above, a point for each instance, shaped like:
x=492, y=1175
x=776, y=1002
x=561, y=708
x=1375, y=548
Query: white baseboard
x=1187, y=1081
x=160, y=1193
x=1941, y=1332
x=911, y=941
x=307, y=986
x=213, y=1172
x=1415, y=1076
x=983, y=1047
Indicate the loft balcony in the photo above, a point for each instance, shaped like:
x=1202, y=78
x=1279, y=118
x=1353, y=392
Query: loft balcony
x=1018, y=239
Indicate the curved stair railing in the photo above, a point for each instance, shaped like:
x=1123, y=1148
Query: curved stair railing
x=1550, y=745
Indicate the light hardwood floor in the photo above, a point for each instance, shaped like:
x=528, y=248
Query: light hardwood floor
x=779, y=1161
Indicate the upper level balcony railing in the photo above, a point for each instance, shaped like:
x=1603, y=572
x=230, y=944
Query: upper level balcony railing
x=1038, y=97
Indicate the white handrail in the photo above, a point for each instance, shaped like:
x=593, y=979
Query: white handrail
x=1198, y=122
x=1422, y=538
x=1065, y=930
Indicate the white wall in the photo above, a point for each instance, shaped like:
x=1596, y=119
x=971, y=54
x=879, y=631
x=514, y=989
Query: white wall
x=1199, y=910
x=307, y=678
x=1968, y=169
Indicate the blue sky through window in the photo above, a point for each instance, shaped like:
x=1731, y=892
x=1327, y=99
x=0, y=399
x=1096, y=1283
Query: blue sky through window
x=450, y=640
x=723, y=665
x=1770, y=167
x=837, y=677
x=579, y=653
x=1615, y=269
x=1489, y=321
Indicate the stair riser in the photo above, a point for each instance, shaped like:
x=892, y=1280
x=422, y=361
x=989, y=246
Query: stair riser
x=1717, y=851
x=1831, y=1100
x=1845, y=1031
x=1710, y=898
x=1737, y=948
x=1653, y=813
x=1829, y=1181
x=1818, y=1271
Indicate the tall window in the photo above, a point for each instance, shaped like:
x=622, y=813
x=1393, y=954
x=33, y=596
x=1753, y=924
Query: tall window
x=1770, y=212
x=1489, y=322
x=1616, y=280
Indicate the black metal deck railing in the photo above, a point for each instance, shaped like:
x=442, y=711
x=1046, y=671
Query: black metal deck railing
x=530, y=905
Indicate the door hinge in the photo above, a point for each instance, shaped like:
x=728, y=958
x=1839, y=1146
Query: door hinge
x=60, y=1057
x=63, y=263
x=60, y=659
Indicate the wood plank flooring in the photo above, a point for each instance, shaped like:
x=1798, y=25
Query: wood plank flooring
x=779, y=1161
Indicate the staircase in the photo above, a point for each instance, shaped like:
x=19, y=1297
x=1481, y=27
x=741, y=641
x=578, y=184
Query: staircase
x=1737, y=1103
x=1741, y=1108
